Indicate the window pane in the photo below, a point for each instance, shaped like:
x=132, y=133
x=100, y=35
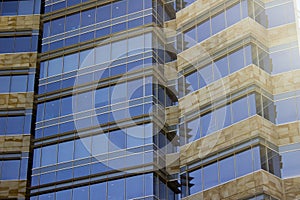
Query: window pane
x=52, y=109
x=218, y=23
x=135, y=136
x=18, y=84
x=71, y=62
x=243, y=163
x=210, y=175
x=191, y=82
x=286, y=111
x=15, y=125
x=103, y=13
x=117, y=140
x=227, y=169
x=221, y=68
x=64, y=195
x=291, y=163
x=233, y=15
x=195, y=181
x=55, y=66
x=134, y=187
x=101, y=97
x=119, y=9
x=135, y=89
x=118, y=93
x=66, y=105
x=9, y=7
x=49, y=154
x=103, y=54
x=65, y=151
x=189, y=38
x=193, y=130
x=203, y=31
x=72, y=22
x=10, y=169
x=240, y=110
x=5, y=84
x=99, y=144
x=98, y=191
x=87, y=17
x=23, y=44
x=236, y=60
x=57, y=26
x=82, y=147
x=81, y=193
x=116, y=190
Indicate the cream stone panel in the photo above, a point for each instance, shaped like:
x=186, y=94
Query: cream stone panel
x=12, y=189
x=19, y=23
x=16, y=101
x=17, y=60
x=243, y=187
x=14, y=143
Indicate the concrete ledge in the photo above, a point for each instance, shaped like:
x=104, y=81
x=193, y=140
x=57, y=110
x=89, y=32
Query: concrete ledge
x=16, y=101
x=253, y=127
x=243, y=187
x=12, y=189
x=15, y=143
x=18, y=60
x=19, y=23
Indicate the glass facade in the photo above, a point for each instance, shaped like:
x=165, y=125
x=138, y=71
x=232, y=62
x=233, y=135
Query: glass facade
x=95, y=93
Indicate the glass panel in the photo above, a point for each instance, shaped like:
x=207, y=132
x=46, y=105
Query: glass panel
x=103, y=13
x=99, y=144
x=193, y=130
x=80, y=193
x=117, y=140
x=286, y=111
x=72, y=22
x=210, y=175
x=116, y=190
x=243, y=163
x=119, y=9
x=218, y=23
x=189, y=38
x=227, y=172
x=195, y=181
x=65, y=151
x=236, y=60
x=18, y=84
x=221, y=68
x=135, y=136
x=10, y=169
x=82, y=147
x=15, y=125
x=52, y=109
x=291, y=163
x=191, y=82
x=87, y=17
x=98, y=191
x=55, y=66
x=5, y=84
x=240, y=110
x=134, y=187
x=233, y=14
x=203, y=31
x=49, y=155
x=57, y=26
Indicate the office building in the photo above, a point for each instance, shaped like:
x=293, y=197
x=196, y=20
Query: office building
x=149, y=99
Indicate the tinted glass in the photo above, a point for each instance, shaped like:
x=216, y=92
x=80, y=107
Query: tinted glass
x=210, y=175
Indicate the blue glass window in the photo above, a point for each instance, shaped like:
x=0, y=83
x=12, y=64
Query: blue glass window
x=243, y=163
x=65, y=151
x=10, y=169
x=98, y=191
x=119, y=9
x=103, y=13
x=196, y=181
x=72, y=22
x=137, y=190
x=210, y=175
x=116, y=190
x=227, y=172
